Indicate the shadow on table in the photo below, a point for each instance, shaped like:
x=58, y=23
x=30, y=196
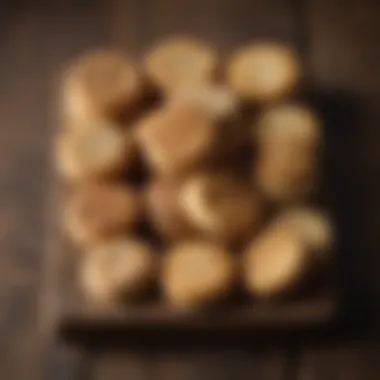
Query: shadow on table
x=348, y=194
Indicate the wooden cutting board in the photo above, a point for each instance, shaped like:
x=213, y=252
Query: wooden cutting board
x=70, y=314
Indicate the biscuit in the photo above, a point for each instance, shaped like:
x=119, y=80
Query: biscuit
x=95, y=212
x=119, y=269
x=173, y=140
x=180, y=62
x=217, y=100
x=263, y=72
x=289, y=124
x=98, y=85
x=196, y=274
x=163, y=208
x=220, y=206
x=312, y=225
x=94, y=153
x=274, y=263
x=283, y=174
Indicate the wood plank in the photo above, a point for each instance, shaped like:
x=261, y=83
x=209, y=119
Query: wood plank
x=127, y=364
x=228, y=25
x=35, y=40
x=341, y=361
x=72, y=30
x=73, y=27
x=63, y=362
x=344, y=56
x=189, y=364
x=205, y=364
x=22, y=173
x=344, y=44
x=293, y=314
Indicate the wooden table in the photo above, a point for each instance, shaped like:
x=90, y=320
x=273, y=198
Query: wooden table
x=339, y=44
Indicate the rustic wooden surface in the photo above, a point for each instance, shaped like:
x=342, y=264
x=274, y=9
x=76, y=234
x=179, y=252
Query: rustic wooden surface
x=340, y=42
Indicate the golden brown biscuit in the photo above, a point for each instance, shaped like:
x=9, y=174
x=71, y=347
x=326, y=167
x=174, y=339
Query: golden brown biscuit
x=196, y=274
x=217, y=100
x=94, y=153
x=283, y=174
x=119, y=269
x=263, y=72
x=180, y=62
x=175, y=139
x=290, y=124
x=100, y=84
x=274, y=263
x=95, y=212
x=312, y=225
x=220, y=206
x=164, y=210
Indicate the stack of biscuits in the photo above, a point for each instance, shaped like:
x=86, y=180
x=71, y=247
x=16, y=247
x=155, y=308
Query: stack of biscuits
x=215, y=162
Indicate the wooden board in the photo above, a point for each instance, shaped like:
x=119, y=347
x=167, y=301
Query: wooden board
x=230, y=26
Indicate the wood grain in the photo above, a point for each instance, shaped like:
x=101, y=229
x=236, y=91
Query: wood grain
x=343, y=45
x=341, y=361
x=218, y=364
x=22, y=181
x=37, y=37
x=35, y=41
